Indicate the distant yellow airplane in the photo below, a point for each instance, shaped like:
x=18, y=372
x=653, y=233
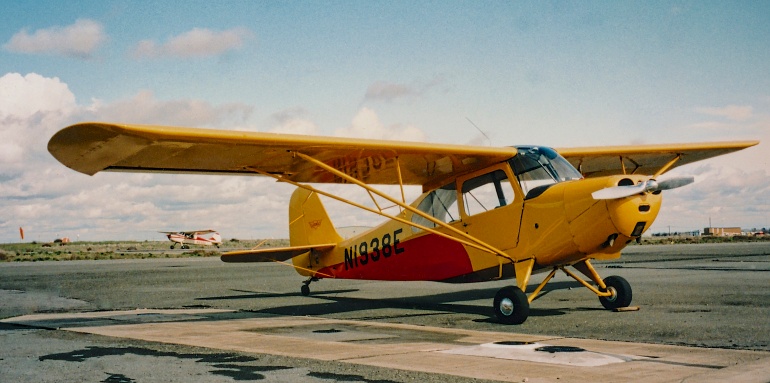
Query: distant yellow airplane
x=486, y=213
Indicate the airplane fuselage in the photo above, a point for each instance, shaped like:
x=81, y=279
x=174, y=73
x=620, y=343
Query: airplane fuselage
x=554, y=224
x=193, y=239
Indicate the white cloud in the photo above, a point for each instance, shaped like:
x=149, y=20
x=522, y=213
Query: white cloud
x=389, y=91
x=31, y=107
x=144, y=108
x=198, y=42
x=80, y=40
x=366, y=124
x=294, y=121
x=727, y=195
x=23, y=96
x=49, y=200
x=730, y=112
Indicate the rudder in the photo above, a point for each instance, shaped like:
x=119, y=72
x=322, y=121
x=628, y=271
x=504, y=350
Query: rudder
x=309, y=223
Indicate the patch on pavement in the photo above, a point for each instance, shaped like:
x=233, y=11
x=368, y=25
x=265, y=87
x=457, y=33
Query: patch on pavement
x=541, y=353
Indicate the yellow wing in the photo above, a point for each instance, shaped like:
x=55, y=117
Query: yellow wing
x=644, y=159
x=93, y=147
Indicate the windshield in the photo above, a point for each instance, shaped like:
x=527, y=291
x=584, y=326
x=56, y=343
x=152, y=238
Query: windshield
x=539, y=166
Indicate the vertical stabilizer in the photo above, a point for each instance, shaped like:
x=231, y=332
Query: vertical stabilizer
x=309, y=223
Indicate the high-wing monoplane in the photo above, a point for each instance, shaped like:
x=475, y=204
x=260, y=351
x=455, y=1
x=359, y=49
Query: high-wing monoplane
x=486, y=213
x=196, y=237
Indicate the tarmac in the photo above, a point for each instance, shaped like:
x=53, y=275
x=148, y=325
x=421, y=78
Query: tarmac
x=464, y=353
x=63, y=331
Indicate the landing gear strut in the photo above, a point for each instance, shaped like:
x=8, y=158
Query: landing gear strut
x=511, y=304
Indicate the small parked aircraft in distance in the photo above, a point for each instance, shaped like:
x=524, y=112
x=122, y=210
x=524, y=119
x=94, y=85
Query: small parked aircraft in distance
x=486, y=213
x=196, y=237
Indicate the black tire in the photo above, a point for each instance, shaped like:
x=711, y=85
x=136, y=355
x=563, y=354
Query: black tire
x=172, y=247
x=621, y=290
x=511, y=305
x=305, y=290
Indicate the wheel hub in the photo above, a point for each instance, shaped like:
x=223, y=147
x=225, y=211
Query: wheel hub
x=613, y=292
x=506, y=306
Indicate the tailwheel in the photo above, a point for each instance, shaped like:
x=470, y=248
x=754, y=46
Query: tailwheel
x=620, y=290
x=305, y=288
x=511, y=305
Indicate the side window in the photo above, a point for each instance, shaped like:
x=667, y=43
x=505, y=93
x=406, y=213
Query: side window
x=487, y=192
x=440, y=204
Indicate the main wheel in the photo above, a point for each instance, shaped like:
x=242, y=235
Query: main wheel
x=621, y=293
x=511, y=305
x=305, y=290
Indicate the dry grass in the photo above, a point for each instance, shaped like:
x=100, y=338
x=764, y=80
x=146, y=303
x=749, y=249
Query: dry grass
x=36, y=252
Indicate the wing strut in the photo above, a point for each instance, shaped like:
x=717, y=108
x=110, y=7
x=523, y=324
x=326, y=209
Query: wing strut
x=667, y=166
x=481, y=245
x=279, y=178
x=622, y=165
x=471, y=240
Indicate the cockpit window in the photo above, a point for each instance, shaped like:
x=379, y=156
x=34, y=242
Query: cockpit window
x=539, y=166
x=440, y=204
x=486, y=192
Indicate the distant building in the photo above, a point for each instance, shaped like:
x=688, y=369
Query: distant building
x=722, y=231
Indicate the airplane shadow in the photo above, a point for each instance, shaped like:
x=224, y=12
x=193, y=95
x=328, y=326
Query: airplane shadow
x=329, y=302
x=258, y=294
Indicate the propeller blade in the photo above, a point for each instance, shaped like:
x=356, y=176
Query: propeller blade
x=651, y=185
x=617, y=192
x=675, y=182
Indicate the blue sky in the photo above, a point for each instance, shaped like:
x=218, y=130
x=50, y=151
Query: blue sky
x=549, y=73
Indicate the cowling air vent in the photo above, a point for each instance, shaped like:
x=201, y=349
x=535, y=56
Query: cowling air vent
x=626, y=182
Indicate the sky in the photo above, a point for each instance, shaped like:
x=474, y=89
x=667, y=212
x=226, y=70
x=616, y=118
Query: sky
x=560, y=74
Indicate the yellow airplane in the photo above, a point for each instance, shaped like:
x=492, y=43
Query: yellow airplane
x=486, y=213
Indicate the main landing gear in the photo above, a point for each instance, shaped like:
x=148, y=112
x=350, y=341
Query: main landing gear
x=511, y=304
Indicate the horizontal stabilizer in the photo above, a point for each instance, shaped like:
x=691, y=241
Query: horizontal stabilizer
x=272, y=254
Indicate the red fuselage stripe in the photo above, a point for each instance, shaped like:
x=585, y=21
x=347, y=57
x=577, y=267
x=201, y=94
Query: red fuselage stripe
x=429, y=257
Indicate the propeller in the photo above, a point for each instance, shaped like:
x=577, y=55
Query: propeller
x=649, y=186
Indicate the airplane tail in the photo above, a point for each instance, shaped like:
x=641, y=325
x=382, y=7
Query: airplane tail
x=216, y=238
x=309, y=224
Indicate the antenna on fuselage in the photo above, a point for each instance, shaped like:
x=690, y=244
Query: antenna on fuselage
x=480, y=131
